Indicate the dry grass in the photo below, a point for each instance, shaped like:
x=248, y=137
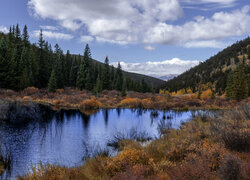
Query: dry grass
x=74, y=98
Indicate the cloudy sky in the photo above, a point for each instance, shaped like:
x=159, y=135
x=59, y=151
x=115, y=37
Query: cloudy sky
x=147, y=36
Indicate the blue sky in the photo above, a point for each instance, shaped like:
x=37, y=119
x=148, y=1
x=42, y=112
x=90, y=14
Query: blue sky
x=154, y=37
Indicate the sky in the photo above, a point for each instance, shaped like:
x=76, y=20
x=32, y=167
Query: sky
x=153, y=37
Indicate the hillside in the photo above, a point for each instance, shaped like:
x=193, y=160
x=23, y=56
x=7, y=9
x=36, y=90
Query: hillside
x=23, y=64
x=215, y=69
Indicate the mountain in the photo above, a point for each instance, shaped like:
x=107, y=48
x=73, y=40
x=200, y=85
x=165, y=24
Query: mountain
x=214, y=70
x=168, y=77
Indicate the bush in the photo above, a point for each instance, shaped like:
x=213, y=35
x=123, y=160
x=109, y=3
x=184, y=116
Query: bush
x=131, y=103
x=233, y=128
x=126, y=159
x=206, y=94
x=92, y=103
x=231, y=168
x=195, y=169
x=30, y=91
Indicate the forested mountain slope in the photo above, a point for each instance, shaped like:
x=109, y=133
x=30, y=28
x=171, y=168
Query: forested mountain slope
x=23, y=64
x=215, y=70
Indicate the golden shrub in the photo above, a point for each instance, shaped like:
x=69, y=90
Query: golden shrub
x=126, y=159
x=181, y=92
x=206, y=94
x=147, y=103
x=92, y=103
x=131, y=103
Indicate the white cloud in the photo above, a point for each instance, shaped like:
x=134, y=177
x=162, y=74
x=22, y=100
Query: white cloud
x=86, y=39
x=206, y=44
x=173, y=66
x=4, y=29
x=143, y=21
x=53, y=35
x=53, y=28
x=149, y=48
x=220, y=25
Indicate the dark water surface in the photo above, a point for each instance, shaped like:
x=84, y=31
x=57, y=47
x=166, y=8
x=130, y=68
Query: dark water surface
x=62, y=139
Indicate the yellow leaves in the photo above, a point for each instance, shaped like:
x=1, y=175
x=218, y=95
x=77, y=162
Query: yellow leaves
x=127, y=158
x=206, y=94
x=130, y=103
x=92, y=103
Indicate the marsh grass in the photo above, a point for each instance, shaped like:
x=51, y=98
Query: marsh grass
x=133, y=135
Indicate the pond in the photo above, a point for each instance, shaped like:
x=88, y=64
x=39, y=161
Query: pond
x=64, y=137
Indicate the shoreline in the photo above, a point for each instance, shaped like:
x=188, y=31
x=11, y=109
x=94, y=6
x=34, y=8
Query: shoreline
x=83, y=100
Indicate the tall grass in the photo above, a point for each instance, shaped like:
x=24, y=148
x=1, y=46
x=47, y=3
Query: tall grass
x=133, y=134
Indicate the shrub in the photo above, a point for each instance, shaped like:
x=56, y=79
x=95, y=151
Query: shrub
x=30, y=91
x=231, y=168
x=147, y=103
x=126, y=159
x=195, y=169
x=92, y=103
x=131, y=103
x=233, y=129
x=206, y=94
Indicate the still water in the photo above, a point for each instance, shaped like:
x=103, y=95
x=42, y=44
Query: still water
x=62, y=139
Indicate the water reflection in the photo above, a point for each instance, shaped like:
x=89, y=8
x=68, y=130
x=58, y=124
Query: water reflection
x=68, y=136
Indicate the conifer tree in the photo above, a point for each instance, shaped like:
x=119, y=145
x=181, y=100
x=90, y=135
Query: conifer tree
x=105, y=75
x=52, y=81
x=237, y=84
x=119, y=78
x=89, y=84
x=124, y=88
x=98, y=85
x=230, y=89
x=42, y=63
x=80, y=82
x=4, y=65
x=240, y=83
x=25, y=36
x=73, y=73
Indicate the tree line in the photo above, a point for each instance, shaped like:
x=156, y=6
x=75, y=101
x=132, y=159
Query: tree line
x=23, y=64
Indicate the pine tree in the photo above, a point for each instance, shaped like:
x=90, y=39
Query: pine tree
x=240, y=83
x=124, y=88
x=42, y=63
x=230, y=89
x=98, y=85
x=52, y=81
x=105, y=75
x=59, y=66
x=17, y=32
x=25, y=36
x=89, y=84
x=119, y=78
x=24, y=68
x=5, y=67
x=73, y=73
x=237, y=84
x=80, y=82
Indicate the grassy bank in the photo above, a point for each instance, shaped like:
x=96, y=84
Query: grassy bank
x=75, y=99
x=204, y=148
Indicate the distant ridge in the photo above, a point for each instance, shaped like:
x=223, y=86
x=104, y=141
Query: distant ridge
x=215, y=69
